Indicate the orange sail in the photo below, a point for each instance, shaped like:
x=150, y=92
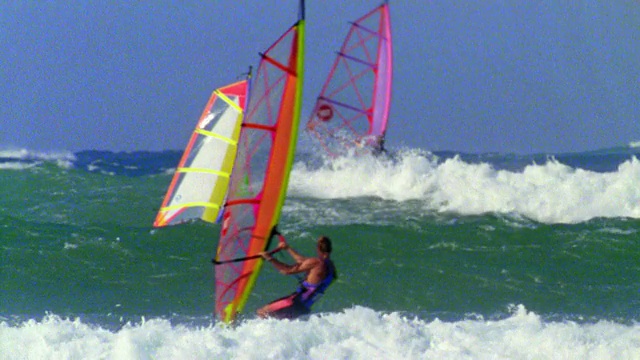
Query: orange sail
x=261, y=174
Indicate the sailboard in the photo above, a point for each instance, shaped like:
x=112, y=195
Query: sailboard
x=352, y=109
x=199, y=185
x=260, y=177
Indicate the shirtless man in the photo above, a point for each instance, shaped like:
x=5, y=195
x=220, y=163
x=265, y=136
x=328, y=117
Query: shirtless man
x=320, y=272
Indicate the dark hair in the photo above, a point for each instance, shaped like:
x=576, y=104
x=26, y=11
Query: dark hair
x=324, y=244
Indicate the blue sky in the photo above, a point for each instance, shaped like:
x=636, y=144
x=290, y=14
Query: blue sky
x=471, y=76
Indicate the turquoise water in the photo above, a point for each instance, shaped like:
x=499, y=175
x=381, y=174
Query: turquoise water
x=433, y=250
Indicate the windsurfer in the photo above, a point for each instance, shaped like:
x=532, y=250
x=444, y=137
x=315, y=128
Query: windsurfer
x=378, y=145
x=320, y=270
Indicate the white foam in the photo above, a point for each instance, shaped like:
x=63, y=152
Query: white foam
x=17, y=165
x=63, y=159
x=13, y=153
x=551, y=192
x=356, y=333
x=24, y=154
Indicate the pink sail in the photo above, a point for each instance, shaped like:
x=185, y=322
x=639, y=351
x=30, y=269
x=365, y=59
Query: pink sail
x=353, y=107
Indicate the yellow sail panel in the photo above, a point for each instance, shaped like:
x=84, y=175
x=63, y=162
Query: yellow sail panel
x=259, y=181
x=200, y=183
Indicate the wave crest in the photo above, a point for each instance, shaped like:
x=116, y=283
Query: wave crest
x=550, y=192
x=355, y=333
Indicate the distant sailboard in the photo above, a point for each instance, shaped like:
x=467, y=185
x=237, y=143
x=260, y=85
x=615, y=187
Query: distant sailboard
x=199, y=185
x=352, y=109
x=260, y=177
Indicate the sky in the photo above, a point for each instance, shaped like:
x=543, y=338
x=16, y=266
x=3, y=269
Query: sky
x=469, y=76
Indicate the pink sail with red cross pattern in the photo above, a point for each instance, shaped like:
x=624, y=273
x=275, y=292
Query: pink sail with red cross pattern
x=352, y=109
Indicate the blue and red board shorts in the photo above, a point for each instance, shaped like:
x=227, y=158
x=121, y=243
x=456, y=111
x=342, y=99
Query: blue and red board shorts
x=288, y=307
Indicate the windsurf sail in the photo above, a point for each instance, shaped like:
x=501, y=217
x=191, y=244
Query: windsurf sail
x=199, y=185
x=261, y=174
x=353, y=106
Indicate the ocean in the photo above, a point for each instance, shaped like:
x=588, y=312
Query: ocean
x=441, y=255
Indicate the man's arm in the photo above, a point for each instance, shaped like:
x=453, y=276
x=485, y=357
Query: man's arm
x=295, y=255
x=282, y=244
x=286, y=269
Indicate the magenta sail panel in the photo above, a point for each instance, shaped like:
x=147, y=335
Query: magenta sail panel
x=352, y=109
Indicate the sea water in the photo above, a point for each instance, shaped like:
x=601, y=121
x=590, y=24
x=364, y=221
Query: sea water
x=440, y=256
